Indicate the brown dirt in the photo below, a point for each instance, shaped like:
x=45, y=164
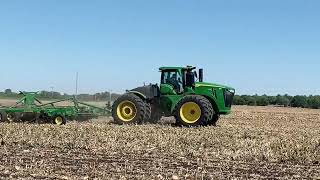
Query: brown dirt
x=252, y=143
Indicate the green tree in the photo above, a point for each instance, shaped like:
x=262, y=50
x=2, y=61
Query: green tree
x=314, y=102
x=272, y=100
x=239, y=100
x=282, y=101
x=288, y=97
x=262, y=100
x=8, y=91
x=299, y=101
x=250, y=101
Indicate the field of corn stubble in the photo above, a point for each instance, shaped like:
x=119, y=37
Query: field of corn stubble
x=252, y=143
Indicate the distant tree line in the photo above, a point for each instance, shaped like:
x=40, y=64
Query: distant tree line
x=279, y=100
x=103, y=96
x=255, y=100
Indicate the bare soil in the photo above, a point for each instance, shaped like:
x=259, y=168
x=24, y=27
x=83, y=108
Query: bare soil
x=251, y=143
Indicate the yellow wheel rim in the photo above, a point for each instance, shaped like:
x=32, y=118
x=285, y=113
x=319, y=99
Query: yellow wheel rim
x=126, y=111
x=58, y=120
x=190, y=112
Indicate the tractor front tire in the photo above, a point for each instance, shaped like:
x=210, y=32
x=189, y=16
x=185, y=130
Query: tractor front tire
x=193, y=110
x=129, y=109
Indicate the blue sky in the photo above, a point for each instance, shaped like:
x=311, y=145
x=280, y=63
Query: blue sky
x=264, y=47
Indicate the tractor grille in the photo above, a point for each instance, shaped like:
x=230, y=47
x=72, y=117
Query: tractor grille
x=228, y=97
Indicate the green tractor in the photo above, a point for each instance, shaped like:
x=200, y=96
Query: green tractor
x=192, y=102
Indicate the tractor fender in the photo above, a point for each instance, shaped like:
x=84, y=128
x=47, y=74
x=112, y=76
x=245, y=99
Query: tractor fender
x=139, y=94
x=146, y=92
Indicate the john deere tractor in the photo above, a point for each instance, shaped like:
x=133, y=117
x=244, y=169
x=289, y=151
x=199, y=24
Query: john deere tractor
x=182, y=94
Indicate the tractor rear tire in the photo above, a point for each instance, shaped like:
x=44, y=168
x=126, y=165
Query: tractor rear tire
x=153, y=116
x=129, y=109
x=193, y=110
x=156, y=115
x=147, y=113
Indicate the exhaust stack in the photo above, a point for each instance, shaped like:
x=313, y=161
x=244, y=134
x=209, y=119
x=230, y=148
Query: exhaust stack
x=200, y=75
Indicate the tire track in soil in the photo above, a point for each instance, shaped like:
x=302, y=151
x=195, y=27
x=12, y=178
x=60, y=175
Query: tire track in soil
x=57, y=163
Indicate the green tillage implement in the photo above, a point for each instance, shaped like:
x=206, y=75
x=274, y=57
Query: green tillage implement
x=31, y=109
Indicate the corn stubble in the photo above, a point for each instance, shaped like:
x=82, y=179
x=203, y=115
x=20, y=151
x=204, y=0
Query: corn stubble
x=252, y=143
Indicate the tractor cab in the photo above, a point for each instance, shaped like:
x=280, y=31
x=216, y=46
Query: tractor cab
x=178, y=80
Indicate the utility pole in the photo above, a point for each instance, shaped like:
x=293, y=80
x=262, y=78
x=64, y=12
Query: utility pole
x=51, y=91
x=109, y=102
x=110, y=94
x=77, y=77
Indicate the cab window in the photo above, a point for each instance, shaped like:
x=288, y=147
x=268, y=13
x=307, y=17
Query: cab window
x=173, y=78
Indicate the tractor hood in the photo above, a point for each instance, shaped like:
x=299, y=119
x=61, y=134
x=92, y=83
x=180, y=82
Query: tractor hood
x=204, y=84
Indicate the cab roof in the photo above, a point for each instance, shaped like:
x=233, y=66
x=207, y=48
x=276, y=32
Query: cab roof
x=177, y=68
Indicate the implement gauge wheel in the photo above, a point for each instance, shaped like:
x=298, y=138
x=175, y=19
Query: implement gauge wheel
x=128, y=109
x=194, y=110
x=59, y=120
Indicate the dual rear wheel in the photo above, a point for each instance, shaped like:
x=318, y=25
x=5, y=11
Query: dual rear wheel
x=130, y=109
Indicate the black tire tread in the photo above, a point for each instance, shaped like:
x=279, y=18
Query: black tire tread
x=214, y=120
x=155, y=115
x=147, y=115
